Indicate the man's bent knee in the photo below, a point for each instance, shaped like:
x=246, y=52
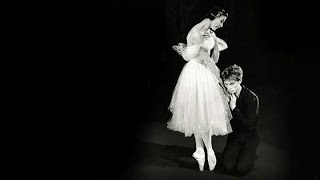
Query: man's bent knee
x=243, y=170
x=227, y=168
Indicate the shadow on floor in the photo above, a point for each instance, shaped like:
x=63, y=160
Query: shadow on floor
x=169, y=155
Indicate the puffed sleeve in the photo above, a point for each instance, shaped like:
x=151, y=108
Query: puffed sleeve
x=222, y=45
x=187, y=52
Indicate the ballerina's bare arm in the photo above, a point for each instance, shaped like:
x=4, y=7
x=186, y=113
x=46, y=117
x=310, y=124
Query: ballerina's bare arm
x=216, y=52
x=219, y=45
x=195, y=34
x=194, y=38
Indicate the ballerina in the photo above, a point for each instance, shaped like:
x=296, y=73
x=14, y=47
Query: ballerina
x=199, y=104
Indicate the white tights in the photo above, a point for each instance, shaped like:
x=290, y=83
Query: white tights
x=199, y=153
x=205, y=139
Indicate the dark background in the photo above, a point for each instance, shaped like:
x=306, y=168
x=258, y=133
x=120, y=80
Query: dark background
x=119, y=54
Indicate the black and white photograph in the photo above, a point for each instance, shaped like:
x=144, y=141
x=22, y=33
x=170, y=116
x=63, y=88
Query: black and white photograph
x=194, y=89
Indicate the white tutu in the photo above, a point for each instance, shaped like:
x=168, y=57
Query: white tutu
x=198, y=104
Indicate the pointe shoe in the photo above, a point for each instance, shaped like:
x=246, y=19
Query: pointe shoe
x=200, y=157
x=212, y=161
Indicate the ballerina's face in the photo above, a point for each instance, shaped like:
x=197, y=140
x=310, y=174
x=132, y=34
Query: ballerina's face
x=218, y=22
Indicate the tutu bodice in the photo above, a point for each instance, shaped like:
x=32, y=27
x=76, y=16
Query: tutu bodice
x=193, y=51
x=209, y=43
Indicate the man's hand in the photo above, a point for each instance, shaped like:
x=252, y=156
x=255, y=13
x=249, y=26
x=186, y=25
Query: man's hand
x=232, y=102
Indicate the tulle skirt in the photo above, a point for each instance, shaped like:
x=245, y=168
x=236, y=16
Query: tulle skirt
x=198, y=104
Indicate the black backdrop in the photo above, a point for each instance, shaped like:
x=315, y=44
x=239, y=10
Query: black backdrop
x=119, y=53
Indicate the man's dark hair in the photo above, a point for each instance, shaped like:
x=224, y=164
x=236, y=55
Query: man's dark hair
x=232, y=72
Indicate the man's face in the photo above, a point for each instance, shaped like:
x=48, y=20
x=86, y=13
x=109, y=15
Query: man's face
x=232, y=86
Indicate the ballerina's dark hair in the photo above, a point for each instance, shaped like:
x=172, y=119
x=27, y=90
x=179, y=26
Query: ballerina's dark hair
x=216, y=12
